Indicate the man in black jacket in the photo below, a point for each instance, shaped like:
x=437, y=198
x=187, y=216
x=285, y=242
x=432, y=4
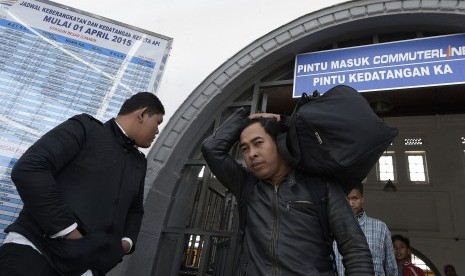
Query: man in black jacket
x=284, y=232
x=82, y=186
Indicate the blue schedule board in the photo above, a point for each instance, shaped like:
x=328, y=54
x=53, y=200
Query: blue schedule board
x=56, y=62
x=423, y=62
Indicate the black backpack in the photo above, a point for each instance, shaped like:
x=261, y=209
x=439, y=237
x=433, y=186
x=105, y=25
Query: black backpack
x=336, y=134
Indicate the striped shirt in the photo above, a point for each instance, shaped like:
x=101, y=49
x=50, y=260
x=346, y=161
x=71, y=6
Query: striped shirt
x=380, y=243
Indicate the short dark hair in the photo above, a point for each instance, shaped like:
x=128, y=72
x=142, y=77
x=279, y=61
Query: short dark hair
x=271, y=125
x=357, y=186
x=402, y=239
x=142, y=100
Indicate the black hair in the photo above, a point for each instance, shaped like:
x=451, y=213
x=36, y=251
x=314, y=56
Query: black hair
x=142, y=100
x=402, y=239
x=357, y=186
x=271, y=125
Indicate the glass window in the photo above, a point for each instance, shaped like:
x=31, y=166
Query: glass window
x=386, y=167
x=423, y=264
x=416, y=166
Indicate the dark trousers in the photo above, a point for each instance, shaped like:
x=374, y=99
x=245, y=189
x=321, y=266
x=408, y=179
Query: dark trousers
x=23, y=260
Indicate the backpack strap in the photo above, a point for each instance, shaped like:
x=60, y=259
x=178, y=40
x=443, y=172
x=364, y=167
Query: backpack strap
x=319, y=194
x=288, y=142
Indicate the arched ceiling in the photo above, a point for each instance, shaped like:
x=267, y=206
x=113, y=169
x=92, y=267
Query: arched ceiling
x=315, y=31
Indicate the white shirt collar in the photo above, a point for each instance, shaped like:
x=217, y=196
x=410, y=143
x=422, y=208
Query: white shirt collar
x=122, y=130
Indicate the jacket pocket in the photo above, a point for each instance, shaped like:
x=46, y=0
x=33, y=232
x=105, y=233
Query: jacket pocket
x=301, y=206
x=112, y=253
x=72, y=257
x=94, y=251
x=247, y=269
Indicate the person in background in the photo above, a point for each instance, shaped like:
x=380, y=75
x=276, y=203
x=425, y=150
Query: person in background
x=283, y=233
x=449, y=270
x=82, y=185
x=376, y=233
x=403, y=257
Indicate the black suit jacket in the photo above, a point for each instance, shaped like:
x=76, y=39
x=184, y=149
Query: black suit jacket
x=86, y=172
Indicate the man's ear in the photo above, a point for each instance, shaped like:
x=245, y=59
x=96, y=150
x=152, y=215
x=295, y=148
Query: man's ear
x=140, y=113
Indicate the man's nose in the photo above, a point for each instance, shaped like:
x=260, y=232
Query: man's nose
x=252, y=153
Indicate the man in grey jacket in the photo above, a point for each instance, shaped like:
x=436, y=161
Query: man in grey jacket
x=284, y=232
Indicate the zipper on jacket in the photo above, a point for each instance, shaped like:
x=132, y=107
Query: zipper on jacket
x=274, y=238
x=318, y=137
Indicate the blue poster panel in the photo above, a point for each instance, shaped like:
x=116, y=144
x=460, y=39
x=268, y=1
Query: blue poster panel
x=56, y=62
x=423, y=62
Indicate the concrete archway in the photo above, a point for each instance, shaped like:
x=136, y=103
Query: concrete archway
x=186, y=128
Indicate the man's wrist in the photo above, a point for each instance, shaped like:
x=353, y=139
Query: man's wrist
x=65, y=232
x=129, y=242
x=73, y=235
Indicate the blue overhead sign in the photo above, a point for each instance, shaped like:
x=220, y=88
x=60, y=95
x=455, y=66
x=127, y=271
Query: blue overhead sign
x=420, y=62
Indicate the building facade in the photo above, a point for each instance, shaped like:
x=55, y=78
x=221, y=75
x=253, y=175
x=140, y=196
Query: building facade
x=190, y=219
